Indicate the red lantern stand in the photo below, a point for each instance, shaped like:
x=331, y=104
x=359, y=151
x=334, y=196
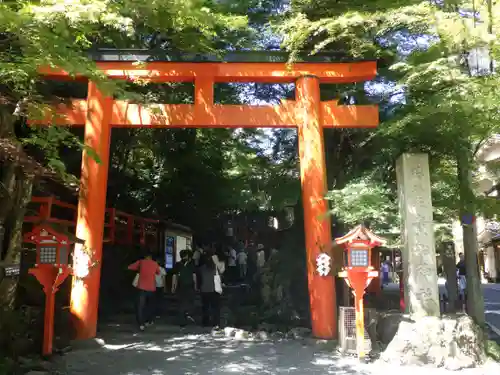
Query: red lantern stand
x=359, y=273
x=376, y=284
x=51, y=269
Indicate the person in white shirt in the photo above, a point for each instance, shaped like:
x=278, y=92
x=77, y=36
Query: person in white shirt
x=197, y=256
x=231, y=264
x=242, y=258
x=261, y=257
x=160, y=280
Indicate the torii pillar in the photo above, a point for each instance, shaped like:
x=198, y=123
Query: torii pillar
x=84, y=300
x=317, y=224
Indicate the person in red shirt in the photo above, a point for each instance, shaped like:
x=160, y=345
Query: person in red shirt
x=145, y=282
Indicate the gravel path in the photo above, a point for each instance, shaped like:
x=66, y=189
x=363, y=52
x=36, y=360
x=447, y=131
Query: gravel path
x=159, y=352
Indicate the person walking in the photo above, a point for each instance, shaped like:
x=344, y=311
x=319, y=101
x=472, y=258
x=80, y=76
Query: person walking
x=385, y=269
x=251, y=251
x=185, y=285
x=242, y=258
x=232, y=269
x=462, y=280
x=145, y=283
x=211, y=270
x=197, y=256
x=161, y=288
x=261, y=257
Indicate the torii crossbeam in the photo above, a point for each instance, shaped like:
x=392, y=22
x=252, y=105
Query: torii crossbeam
x=307, y=113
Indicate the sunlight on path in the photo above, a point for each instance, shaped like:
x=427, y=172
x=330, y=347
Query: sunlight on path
x=157, y=353
x=204, y=354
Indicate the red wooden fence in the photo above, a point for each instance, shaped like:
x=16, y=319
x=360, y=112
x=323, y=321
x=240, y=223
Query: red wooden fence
x=119, y=227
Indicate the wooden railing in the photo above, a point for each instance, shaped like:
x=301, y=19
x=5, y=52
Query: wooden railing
x=119, y=227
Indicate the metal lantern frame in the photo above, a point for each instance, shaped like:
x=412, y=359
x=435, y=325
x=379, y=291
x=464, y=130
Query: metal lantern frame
x=44, y=235
x=355, y=247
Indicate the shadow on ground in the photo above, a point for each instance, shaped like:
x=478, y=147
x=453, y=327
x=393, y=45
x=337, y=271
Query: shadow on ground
x=159, y=352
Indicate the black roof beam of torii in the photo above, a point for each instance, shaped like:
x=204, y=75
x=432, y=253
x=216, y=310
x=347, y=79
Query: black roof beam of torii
x=263, y=56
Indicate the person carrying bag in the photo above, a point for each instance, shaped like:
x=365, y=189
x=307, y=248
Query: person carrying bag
x=211, y=289
x=145, y=283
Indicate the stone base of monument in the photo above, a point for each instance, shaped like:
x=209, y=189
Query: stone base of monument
x=453, y=342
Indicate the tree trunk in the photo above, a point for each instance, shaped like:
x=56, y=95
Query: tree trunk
x=11, y=173
x=7, y=189
x=475, y=302
x=16, y=216
x=490, y=31
x=14, y=237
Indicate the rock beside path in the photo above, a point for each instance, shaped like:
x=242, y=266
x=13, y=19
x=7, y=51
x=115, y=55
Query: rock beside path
x=34, y=366
x=299, y=333
x=296, y=333
x=453, y=342
x=237, y=334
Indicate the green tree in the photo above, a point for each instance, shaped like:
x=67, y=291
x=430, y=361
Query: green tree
x=449, y=107
x=60, y=34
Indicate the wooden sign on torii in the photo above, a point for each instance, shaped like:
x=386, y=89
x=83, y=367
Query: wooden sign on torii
x=99, y=113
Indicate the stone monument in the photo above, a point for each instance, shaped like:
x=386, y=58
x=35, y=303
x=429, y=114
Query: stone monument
x=417, y=235
x=422, y=337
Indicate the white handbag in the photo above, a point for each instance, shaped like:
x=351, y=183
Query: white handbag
x=217, y=281
x=135, y=282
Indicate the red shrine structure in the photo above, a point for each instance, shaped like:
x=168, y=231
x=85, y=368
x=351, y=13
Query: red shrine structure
x=99, y=113
x=120, y=227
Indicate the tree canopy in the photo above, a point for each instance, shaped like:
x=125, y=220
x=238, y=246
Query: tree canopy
x=436, y=68
x=436, y=89
x=440, y=58
x=192, y=176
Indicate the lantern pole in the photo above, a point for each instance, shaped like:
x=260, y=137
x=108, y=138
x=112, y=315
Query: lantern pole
x=48, y=323
x=360, y=324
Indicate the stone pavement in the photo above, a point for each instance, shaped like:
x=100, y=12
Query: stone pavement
x=492, y=306
x=161, y=351
x=491, y=294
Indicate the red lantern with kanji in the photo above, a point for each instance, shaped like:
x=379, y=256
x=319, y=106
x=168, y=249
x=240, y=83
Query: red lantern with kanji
x=359, y=272
x=51, y=269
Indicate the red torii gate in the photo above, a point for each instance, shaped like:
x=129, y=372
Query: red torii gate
x=99, y=113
